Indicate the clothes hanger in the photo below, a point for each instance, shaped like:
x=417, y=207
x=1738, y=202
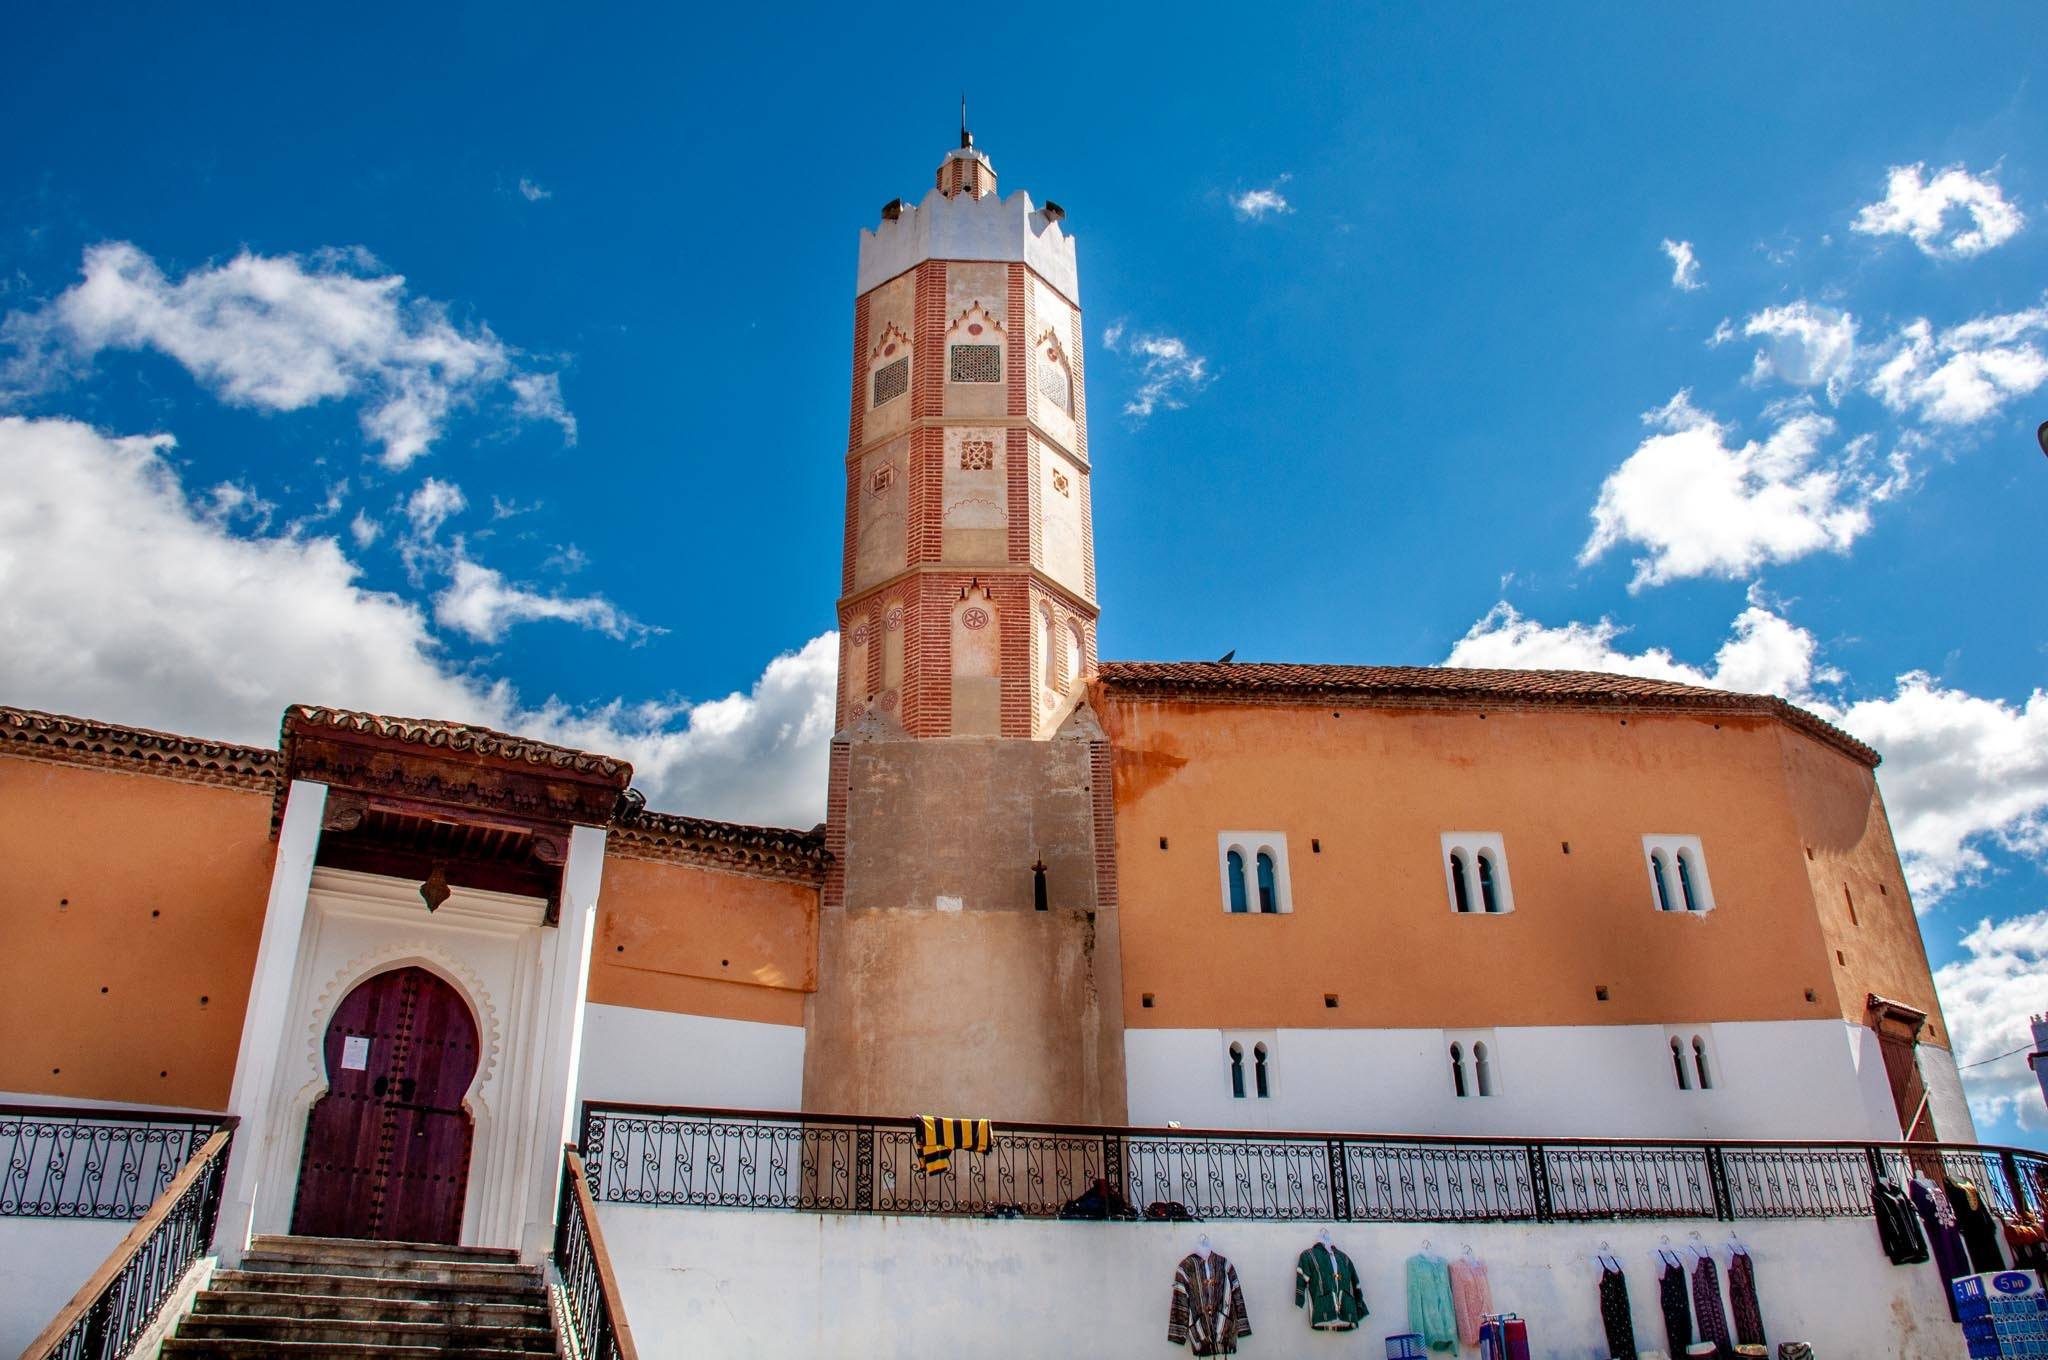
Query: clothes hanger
x=1202, y=1245
x=1324, y=1238
x=1469, y=1256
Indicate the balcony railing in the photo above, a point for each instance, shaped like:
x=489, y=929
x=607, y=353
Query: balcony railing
x=752, y=1159
x=595, y=1311
x=78, y=1162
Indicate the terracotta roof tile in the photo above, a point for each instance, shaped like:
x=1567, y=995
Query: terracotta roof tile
x=463, y=737
x=84, y=741
x=1435, y=686
x=776, y=851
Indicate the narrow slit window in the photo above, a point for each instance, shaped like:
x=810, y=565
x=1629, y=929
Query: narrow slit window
x=1235, y=862
x=1458, y=1070
x=1482, y=1069
x=1260, y=1082
x=1237, y=1072
x=1692, y=903
x=1269, y=893
x=1461, y=894
x=1678, y=1063
x=1699, y=1060
x=1487, y=894
x=1663, y=883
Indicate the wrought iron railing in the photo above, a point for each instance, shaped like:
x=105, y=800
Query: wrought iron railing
x=71, y=1162
x=644, y=1154
x=595, y=1312
x=128, y=1291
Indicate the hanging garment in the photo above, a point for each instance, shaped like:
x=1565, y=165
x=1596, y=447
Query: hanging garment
x=1980, y=1232
x=1503, y=1337
x=938, y=1139
x=1945, y=1240
x=1326, y=1280
x=1471, y=1298
x=1614, y=1313
x=1207, y=1315
x=2029, y=1244
x=1677, y=1311
x=1794, y=1350
x=1707, y=1311
x=1429, y=1303
x=1898, y=1228
x=1742, y=1301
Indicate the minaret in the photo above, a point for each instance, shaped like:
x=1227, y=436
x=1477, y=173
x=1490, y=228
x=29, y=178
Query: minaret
x=968, y=959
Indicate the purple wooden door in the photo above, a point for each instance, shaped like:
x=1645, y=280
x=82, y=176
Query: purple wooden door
x=387, y=1148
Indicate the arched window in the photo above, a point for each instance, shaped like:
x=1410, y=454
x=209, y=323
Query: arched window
x=1237, y=1071
x=1699, y=1060
x=1070, y=668
x=1234, y=863
x=1663, y=884
x=1486, y=892
x=1459, y=891
x=1482, y=1069
x=1458, y=1070
x=1046, y=639
x=1678, y=1063
x=1259, y=1079
x=1269, y=892
x=1692, y=903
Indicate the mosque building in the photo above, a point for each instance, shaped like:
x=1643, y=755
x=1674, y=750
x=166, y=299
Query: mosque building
x=1051, y=890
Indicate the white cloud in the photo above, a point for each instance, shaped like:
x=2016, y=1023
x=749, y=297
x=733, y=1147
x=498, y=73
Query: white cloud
x=1764, y=655
x=538, y=396
x=1685, y=266
x=121, y=599
x=1168, y=371
x=1808, y=346
x=1924, y=209
x=1255, y=205
x=363, y=529
x=1989, y=997
x=479, y=602
x=281, y=333
x=432, y=504
x=1699, y=505
x=1965, y=373
x=1960, y=772
x=532, y=192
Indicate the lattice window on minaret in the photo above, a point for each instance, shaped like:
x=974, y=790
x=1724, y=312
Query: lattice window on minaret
x=892, y=380
x=1055, y=383
x=889, y=367
x=976, y=364
x=974, y=352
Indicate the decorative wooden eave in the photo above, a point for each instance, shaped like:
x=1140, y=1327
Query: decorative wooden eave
x=65, y=740
x=1896, y=1017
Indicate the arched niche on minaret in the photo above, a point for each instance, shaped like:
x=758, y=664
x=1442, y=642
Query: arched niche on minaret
x=977, y=339
x=977, y=657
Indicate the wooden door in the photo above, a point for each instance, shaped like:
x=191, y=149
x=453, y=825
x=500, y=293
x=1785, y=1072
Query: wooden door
x=387, y=1148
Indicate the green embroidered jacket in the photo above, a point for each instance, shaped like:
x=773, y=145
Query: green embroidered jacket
x=1326, y=1279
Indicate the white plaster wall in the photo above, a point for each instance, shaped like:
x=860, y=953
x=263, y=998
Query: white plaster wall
x=658, y=1058
x=1945, y=1099
x=771, y=1284
x=967, y=228
x=1780, y=1079
x=43, y=1261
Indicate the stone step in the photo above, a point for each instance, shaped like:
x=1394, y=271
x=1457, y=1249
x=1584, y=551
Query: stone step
x=355, y=1307
x=343, y=1333
x=520, y=1289
x=479, y=1273
x=265, y=1348
x=361, y=1249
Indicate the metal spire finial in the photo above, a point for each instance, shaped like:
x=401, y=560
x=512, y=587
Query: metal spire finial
x=966, y=137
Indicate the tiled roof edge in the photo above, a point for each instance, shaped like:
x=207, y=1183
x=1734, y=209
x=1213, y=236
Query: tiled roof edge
x=1457, y=687
x=463, y=737
x=777, y=852
x=83, y=741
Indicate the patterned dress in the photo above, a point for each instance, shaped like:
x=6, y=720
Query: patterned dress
x=1706, y=1306
x=1677, y=1310
x=1207, y=1315
x=1615, y=1315
x=1749, y=1317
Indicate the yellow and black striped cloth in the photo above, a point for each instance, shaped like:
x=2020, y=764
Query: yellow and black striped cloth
x=938, y=1139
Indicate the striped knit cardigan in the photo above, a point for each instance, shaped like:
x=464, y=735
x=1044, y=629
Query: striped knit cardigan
x=1208, y=1315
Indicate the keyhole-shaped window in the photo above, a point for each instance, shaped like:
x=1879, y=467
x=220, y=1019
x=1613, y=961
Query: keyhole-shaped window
x=1458, y=1070
x=1482, y=1069
x=1692, y=903
x=1487, y=895
x=1261, y=1083
x=1678, y=1064
x=1663, y=881
x=1237, y=1071
x=1459, y=889
x=1235, y=868
x=1269, y=894
x=1699, y=1062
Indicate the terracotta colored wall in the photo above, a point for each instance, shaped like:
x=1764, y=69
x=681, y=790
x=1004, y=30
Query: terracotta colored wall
x=698, y=941
x=1371, y=922
x=132, y=907
x=1849, y=858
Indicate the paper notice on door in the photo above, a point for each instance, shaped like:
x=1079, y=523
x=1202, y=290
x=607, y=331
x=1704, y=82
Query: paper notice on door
x=355, y=1053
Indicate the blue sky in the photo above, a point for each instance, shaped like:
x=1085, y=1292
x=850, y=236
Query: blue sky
x=492, y=363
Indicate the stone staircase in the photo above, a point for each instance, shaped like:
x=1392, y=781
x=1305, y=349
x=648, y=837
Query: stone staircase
x=323, y=1296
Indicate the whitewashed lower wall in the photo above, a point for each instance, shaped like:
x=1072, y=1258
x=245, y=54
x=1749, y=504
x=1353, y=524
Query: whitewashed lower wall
x=661, y=1058
x=1945, y=1098
x=767, y=1284
x=43, y=1261
x=1782, y=1079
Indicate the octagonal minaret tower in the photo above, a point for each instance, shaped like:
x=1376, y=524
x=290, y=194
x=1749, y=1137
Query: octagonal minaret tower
x=967, y=596
x=967, y=946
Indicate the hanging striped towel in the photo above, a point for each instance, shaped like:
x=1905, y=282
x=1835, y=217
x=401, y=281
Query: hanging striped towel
x=938, y=1139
